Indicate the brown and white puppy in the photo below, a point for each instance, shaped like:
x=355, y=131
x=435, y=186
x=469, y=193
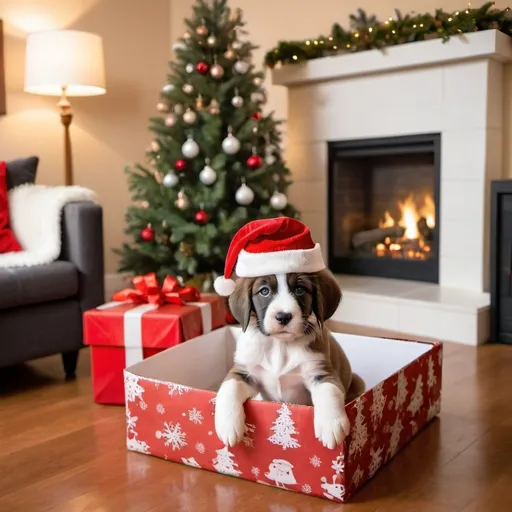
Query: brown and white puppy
x=286, y=354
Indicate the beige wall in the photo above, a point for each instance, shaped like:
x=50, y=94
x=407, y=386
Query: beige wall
x=109, y=131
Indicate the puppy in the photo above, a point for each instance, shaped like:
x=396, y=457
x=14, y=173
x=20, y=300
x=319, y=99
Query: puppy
x=286, y=354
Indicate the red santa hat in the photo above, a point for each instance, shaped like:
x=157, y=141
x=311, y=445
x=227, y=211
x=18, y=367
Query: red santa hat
x=269, y=246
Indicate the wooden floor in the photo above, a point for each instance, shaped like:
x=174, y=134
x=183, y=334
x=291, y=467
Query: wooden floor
x=60, y=452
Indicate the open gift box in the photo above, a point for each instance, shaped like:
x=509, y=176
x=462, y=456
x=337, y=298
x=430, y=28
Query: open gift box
x=170, y=402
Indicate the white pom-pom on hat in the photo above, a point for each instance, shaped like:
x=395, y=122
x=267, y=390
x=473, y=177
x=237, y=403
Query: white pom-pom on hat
x=223, y=286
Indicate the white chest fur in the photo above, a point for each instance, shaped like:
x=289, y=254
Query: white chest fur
x=275, y=365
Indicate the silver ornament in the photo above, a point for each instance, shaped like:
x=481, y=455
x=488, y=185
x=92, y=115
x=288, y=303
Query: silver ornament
x=179, y=46
x=278, y=201
x=167, y=88
x=257, y=97
x=189, y=68
x=217, y=71
x=236, y=45
x=178, y=109
x=188, y=88
x=211, y=41
x=244, y=195
x=170, y=120
x=237, y=101
x=170, y=180
x=162, y=107
x=182, y=201
x=230, y=145
x=258, y=81
x=208, y=176
x=189, y=116
x=241, y=66
x=190, y=149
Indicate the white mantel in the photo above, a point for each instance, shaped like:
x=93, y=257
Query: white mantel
x=453, y=88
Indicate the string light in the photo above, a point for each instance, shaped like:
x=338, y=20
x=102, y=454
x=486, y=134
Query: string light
x=356, y=34
x=449, y=19
x=330, y=38
x=308, y=42
x=295, y=57
x=370, y=29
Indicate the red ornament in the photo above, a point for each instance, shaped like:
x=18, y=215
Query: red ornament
x=147, y=234
x=180, y=165
x=257, y=116
x=201, y=217
x=254, y=161
x=202, y=68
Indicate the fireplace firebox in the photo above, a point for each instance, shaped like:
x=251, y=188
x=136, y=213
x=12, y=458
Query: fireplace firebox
x=383, y=207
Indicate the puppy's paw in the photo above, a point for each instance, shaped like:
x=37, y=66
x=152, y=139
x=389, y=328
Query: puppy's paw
x=331, y=426
x=230, y=423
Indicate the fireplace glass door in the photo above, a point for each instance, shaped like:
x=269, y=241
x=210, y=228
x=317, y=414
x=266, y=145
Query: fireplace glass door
x=384, y=207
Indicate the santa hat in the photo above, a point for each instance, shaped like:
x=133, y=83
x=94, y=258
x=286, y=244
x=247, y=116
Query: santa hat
x=269, y=246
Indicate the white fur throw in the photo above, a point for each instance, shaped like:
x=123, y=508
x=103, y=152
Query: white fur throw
x=35, y=214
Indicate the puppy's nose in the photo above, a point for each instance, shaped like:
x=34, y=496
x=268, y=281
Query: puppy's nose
x=283, y=318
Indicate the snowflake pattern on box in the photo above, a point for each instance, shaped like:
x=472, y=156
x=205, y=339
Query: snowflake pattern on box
x=357, y=477
x=416, y=397
x=177, y=389
x=358, y=431
x=283, y=428
x=224, y=464
x=160, y=409
x=131, y=422
x=395, y=430
x=195, y=416
x=432, y=379
x=401, y=390
x=378, y=404
x=200, y=447
x=434, y=410
x=137, y=446
x=133, y=390
x=306, y=489
x=255, y=471
x=315, y=461
x=173, y=435
x=376, y=461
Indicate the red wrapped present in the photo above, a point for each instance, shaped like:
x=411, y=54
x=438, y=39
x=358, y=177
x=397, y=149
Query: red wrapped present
x=171, y=402
x=141, y=322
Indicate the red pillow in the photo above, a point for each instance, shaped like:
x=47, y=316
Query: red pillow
x=8, y=242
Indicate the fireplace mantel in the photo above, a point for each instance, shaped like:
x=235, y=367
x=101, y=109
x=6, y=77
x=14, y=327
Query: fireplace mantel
x=487, y=44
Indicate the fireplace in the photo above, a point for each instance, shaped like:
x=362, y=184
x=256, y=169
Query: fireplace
x=383, y=207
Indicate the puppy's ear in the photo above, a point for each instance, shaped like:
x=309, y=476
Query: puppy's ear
x=327, y=297
x=240, y=302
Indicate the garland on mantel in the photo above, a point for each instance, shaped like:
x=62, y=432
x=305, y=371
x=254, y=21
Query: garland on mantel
x=367, y=32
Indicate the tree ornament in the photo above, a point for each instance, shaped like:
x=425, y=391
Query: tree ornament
x=180, y=165
x=211, y=41
x=167, y=88
x=202, y=67
x=190, y=149
x=201, y=30
x=170, y=120
x=182, y=201
x=244, y=195
x=257, y=97
x=237, y=101
x=154, y=146
x=214, y=108
x=208, y=176
x=270, y=159
x=217, y=71
x=258, y=81
x=199, y=103
x=186, y=249
x=256, y=116
x=236, y=45
x=230, y=145
x=254, y=161
x=278, y=201
x=190, y=117
x=201, y=217
x=229, y=54
x=147, y=234
x=170, y=180
x=179, y=46
x=241, y=66
x=188, y=88
x=178, y=109
x=189, y=68
x=187, y=35
x=162, y=107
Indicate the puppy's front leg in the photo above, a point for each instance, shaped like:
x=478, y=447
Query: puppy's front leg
x=328, y=397
x=235, y=390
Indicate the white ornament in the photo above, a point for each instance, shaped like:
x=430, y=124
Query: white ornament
x=162, y=107
x=179, y=46
x=167, y=88
x=181, y=203
x=217, y=71
x=170, y=180
x=257, y=97
x=244, y=195
x=190, y=149
x=208, y=176
x=211, y=41
x=236, y=45
x=188, y=88
x=237, y=101
x=241, y=66
x=189, y=68
x=178, y=109
x=154, y=146
x=170, y=120
x=278, y=201
x=189, y=116
x=258, y=81
x=231, y=145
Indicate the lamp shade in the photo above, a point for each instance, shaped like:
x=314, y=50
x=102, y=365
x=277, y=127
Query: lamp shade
x=65, y=58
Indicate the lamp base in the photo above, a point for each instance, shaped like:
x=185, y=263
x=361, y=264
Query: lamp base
x=66, y=117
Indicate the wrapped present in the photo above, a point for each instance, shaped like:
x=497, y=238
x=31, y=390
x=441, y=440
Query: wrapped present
x=171, y=403
x=140, y=322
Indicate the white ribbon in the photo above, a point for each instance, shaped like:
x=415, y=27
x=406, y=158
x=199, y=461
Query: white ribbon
x=206, y=314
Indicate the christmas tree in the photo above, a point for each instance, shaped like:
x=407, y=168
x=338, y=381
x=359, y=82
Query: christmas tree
x=215, y=161
x=284, y=428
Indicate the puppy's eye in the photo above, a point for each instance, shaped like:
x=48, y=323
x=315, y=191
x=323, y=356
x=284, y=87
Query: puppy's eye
x=264, y=292
x=300, y=290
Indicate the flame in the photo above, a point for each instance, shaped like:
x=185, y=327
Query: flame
x=409, y=218
x=429, y=211
x=388, y=221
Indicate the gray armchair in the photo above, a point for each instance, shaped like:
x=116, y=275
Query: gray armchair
x=41, y=307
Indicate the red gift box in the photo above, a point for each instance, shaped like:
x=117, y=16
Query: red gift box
x=141, y=322
x=171, y=403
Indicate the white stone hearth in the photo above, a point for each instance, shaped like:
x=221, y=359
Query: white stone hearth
x=455, y=89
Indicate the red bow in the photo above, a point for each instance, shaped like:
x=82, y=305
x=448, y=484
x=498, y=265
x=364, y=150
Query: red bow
x=147, y=291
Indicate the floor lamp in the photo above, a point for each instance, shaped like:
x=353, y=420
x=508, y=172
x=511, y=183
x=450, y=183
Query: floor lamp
x=65, y=63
